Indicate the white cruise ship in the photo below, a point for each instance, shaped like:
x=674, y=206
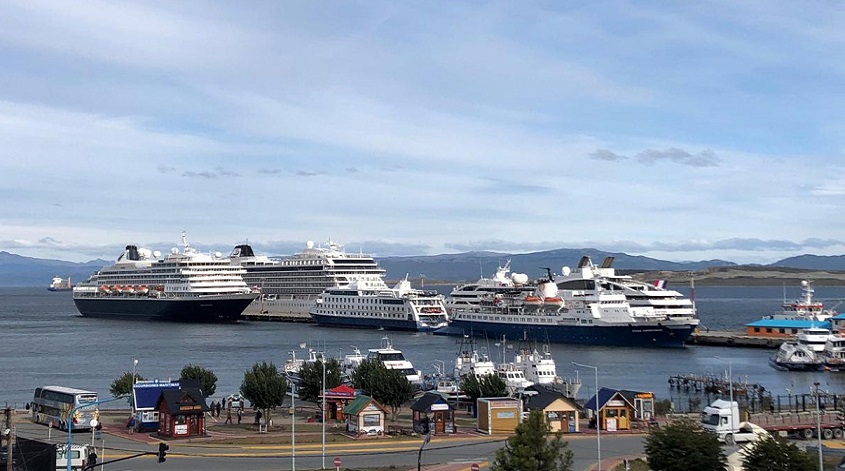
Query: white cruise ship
x=371, y=304
x=487, y=290
x=663, y=302
x=183, y=286
x=290, y=285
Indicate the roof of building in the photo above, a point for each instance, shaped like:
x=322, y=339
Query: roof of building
x=186, y=400
x=789, y=323
x=606, y=394
x=546, y=396
x=359, y=403
x=425, y=402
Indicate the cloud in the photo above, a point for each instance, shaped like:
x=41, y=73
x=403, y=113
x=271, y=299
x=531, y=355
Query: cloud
x=705, y=158
x=210, y=174
x=740, y=244
x=308, y=173
x=604, y=154
x=269, y=171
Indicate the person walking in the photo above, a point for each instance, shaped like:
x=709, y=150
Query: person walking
x=228, y=416
x=219, y=407
x=240, y=415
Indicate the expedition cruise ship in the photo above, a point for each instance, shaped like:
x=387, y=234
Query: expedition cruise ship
x=182, y=286
x=290, y=285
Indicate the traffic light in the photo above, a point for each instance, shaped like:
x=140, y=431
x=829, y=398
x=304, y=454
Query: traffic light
x=162, y=452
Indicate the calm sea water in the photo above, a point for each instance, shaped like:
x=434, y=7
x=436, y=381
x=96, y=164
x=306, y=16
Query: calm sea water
x=43, y=340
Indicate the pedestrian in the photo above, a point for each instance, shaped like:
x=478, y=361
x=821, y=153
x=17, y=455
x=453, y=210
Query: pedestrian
x=240, y=415
x=258, y=416
x=228, y=416
x=219, y=407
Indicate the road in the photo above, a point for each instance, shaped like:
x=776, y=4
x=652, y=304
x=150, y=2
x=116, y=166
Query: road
x=402, y=453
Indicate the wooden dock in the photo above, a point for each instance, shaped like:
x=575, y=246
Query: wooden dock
x=725, y=338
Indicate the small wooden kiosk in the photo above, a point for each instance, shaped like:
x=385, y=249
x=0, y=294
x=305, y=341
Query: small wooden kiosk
x=433, y=409
x=365, y=415
x=181, y=413
x=619, y=408
x=498, y=414
x=560, y=411
x=337, y=399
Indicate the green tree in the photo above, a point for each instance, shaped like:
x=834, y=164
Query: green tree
x=122, y=386
x=684, y=446
x=531, y=450
x=389, y=387
x=206, y=378
x=310, y=387
x=265, y=387
x=489, y=385
x=776, y=454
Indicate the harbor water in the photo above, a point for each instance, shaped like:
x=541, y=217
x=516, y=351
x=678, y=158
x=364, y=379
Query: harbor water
x=44, y=341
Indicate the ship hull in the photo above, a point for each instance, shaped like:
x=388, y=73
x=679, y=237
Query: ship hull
x=202, y=309
x=673, y=336
x=369, y=323
x=59, y=289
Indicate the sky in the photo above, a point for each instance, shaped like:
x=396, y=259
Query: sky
x=675, y=130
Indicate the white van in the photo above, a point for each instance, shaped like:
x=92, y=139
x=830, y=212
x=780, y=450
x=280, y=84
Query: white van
x=78, y=457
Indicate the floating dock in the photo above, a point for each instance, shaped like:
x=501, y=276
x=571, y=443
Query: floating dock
x=725, y=338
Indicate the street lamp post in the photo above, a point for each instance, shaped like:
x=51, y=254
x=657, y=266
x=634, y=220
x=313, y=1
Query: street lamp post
x=292, y=428
x=70, y=423
x=598, y=419
x=730, y=389
x=323, y=413
x=819, y=427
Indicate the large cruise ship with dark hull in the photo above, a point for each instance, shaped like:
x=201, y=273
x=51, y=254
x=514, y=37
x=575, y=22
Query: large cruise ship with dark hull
x=185, y=285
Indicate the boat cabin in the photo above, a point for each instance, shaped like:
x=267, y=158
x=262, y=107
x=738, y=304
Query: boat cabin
x=432, y=413
x=181, y=413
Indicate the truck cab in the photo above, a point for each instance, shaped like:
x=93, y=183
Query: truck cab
x=722, y=418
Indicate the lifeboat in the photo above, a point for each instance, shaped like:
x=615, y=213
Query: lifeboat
x=104, y=288
x=532, y=301
x=128, y=289
x=142, y=289
x=553, y=301
x=159, y=287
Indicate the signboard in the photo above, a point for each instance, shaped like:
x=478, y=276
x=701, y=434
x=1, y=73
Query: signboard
x=474, y=467
x=337, y=462
x=611, y=425
x=440, y=407
x=181, y=429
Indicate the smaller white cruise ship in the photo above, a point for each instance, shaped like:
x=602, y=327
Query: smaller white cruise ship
x=371, y=304
x=487, y=290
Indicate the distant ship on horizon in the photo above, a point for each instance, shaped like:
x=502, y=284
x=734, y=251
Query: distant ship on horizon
x=60, y=284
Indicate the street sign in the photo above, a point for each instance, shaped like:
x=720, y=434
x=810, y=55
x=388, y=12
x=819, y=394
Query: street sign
x=474, y=467
x=337, y=462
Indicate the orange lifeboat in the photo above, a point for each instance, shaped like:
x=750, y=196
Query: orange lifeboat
x=554, y=301
x=142, y=289
x=531, y=300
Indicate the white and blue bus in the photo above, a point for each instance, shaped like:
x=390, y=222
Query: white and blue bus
x=52, y=404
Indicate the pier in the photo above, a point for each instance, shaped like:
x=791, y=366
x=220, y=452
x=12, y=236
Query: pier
x=725, y=338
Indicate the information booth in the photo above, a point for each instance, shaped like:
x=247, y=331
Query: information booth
x=561, y=411
x=364, y=415
x=432, y=412
x=498, y=414
x=181, y=413
x=337, y=399
x=619, y=409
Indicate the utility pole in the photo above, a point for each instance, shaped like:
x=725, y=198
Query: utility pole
x=7, y=432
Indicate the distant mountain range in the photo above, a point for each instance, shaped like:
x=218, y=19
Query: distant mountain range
x=17, y=270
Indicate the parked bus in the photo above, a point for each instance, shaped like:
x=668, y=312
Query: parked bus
x=52, y=404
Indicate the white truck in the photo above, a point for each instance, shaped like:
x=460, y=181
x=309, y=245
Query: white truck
x=722, y=418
